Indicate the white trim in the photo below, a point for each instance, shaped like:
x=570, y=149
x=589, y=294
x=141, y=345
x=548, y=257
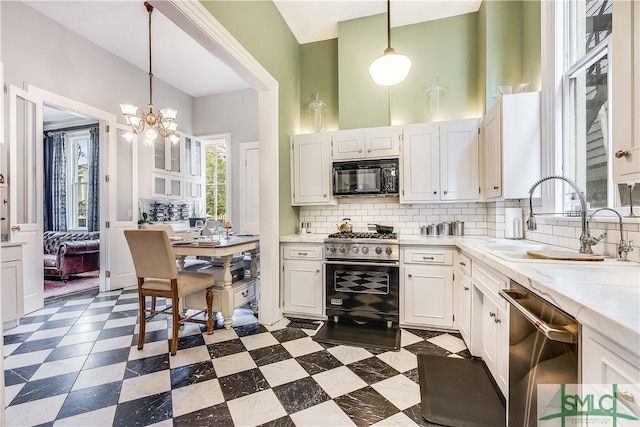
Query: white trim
x=193, y=18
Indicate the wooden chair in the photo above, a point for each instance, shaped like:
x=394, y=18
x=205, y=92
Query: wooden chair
x=158, y=276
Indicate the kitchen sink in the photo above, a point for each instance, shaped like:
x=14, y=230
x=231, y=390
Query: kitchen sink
x=517, y=252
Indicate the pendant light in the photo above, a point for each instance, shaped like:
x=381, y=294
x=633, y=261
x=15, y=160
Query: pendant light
x=391, y=68
x=161, y=124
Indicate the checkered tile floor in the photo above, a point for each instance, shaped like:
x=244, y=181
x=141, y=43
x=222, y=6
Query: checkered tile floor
x=76, y=362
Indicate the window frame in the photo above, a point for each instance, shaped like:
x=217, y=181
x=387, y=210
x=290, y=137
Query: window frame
x=557, y=51
x=72, y=168
x=218, y=139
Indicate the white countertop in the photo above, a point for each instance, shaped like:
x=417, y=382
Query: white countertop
x=602, y=296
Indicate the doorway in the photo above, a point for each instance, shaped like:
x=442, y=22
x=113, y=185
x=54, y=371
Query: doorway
x=71, y=226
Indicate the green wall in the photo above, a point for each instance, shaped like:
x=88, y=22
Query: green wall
x=444, y=48
x=259, y=27
x=319, y=72
x=531, y=44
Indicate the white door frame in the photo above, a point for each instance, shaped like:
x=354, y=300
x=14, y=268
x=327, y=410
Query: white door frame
x=194, y=19
x=243, y=185
x=105, y=119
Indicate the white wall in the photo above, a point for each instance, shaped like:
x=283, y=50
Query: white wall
x=39, y=51
x=235, y=113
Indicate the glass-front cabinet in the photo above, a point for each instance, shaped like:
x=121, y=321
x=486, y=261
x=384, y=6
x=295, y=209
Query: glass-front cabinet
x=164, y=185
x=167, y=157
x=192, y=157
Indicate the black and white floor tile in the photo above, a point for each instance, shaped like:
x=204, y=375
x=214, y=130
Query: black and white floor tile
x=76, y=363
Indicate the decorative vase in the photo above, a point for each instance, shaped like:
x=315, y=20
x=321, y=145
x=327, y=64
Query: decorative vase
x=317, y=109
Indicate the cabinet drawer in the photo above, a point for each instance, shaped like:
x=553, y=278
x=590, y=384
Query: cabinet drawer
x=464, y=265
x=302, y=252
x=428, y=256
x=11, y=253
x=244, y=294
x=489, y=281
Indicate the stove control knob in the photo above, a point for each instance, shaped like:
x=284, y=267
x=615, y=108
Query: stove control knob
x=343, y=249
x=332, y=249
x=355, y=249
x=378, y=250
x=389, y=251
x=365, y=250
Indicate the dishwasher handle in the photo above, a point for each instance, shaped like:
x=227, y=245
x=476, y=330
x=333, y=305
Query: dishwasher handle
x=549, y=332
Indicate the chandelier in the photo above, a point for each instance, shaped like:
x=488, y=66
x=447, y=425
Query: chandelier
x=161, y=124
x=391, y=68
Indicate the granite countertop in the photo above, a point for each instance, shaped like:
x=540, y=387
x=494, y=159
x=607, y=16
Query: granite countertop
x=604, y=296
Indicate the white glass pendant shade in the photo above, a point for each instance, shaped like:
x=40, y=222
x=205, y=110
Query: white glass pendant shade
x=151, y=134
x=390, y=69
x=134, y=120
x=128, y=136
x=128, y=109
x=169, y=113
x=148, y=142
x=174, y=139
x=170, y=126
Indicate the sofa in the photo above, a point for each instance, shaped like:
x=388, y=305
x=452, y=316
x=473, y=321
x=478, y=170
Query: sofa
x=68, y=253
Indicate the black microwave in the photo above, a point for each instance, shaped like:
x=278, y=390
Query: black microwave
x=366, y=177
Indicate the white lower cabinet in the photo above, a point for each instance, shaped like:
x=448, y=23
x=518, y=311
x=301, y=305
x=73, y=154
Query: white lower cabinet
x=606, y=363
x=426, y=294
x=12, y=285
x=463, y=300
x=491, y=321
x=303, y=280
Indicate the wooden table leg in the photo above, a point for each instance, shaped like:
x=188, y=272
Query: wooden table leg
x=227, y=294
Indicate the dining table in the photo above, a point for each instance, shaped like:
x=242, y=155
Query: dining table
x=228, y=295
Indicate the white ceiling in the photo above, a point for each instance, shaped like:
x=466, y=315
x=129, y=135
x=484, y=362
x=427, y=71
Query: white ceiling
x=315, y=20
x=121, y=27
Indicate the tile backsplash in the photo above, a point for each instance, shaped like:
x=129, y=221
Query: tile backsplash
x=480, y=219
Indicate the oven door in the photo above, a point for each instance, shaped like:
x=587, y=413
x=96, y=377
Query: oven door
x=356, y=180
x=363, y=290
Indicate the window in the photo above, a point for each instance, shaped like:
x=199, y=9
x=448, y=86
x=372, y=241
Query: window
x=216, y=180
x=586, y=100
x=78, y=178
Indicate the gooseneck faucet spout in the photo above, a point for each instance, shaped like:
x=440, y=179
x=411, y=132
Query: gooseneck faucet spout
x=586, y=241
x=623, y=247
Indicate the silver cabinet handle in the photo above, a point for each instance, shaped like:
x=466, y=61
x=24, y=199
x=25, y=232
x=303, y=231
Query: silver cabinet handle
x=466, y=288
x=427, y=257
x=360, y=150
x=462, y=263
x=302, y=253
x=492, y=314
x=497, y=320
x=317, y=271
x=495, y=187
x=446, y=192
x=369, y=150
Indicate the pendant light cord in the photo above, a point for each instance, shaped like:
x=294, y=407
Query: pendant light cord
x=150, y=10
x=388, y=24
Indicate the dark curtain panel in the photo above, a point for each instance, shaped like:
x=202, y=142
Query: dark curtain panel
x=48, y=188
x=59, y=183
x=93, y=205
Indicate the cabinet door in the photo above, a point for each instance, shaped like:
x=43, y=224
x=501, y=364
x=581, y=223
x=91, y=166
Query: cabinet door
x=159, y=156
x=164, y=185
x=196, y=159
x=489, y=334
x=383, y=141
x=464, y=308
x=348, y=145
x=420, y=164
x=625, y=82
x=311, y=169
x=175, y=161
x=303, y=291
x=428, y=296
x=188, y=154
x=459, y=178
x=492, y=153
x=12, y=294
x=167, y=157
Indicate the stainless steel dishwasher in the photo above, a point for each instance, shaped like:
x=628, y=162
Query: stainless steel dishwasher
x=544, y=348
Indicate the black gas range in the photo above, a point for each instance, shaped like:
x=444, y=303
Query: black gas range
x=362, y=277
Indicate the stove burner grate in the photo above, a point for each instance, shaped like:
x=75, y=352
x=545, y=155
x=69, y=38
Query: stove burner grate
x=352, y=235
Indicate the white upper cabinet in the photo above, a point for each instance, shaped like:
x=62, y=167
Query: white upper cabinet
x=311, y=169
x=420, y=163
x=192, y=157
x=440, y=162
x=367, y=143
x=625, y=56
x=511, y=146
x=167, y=157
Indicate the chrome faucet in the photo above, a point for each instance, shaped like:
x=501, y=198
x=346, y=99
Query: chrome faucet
x=586, y=241
x=623, y=247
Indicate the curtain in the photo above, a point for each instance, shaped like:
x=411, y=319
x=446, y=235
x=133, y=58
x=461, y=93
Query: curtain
x=58, y=182
x=93, y=204
x=47, y=203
